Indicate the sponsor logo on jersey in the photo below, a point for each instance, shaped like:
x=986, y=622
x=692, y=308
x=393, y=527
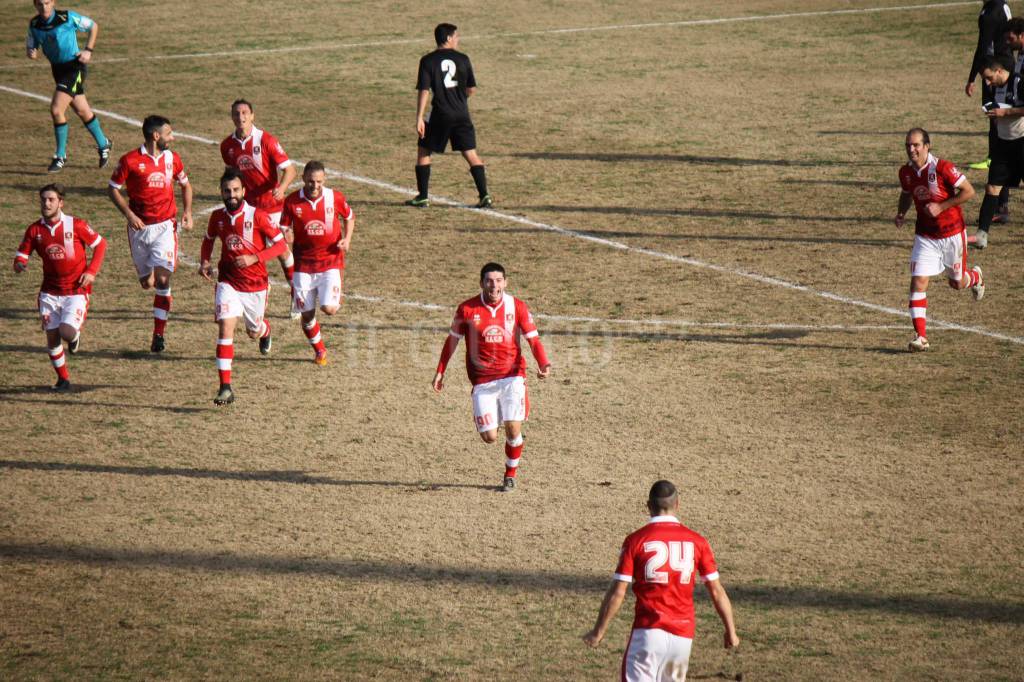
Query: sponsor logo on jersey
x=922, y=192
x=234, y=243
x=494, y=334
x=156, y=180
x=55, y=252
x=315, y=228
x=246, y=163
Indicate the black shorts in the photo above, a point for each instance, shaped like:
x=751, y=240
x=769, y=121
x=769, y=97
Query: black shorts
x=440, y=130
x=1007, y=167
x=70, y=77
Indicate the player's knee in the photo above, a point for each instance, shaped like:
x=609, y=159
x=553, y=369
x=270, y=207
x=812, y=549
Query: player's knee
x=329, y=309
x=67, y=332
x=489, y=436
x=253, y=333
x=146, y=282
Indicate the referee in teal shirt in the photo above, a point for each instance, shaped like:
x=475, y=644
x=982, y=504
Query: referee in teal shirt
x=56, y=33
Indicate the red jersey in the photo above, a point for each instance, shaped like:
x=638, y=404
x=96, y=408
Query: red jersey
x=659, y=559
x=935, y=182
x=247, y=231
x=150, y=183
x=259, y=157
x=317, y=227
x=61, y=247
x=492, y=339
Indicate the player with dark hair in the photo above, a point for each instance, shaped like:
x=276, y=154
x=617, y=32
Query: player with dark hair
x=248, y=239
x=991, y=41
x=492, y=323
x=322, y=223
x=148, y=175
x=659, y=560
x=56, y=33
x=447, y=73
x=61, y=240
x=937, y=189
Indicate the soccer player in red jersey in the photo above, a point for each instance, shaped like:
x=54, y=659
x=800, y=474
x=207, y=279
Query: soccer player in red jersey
x=148, y=174
x=492, y=324
x=662, y=561
x=61, y=240
x=248, y=239
x=937, y=189
x=260, y=159
x=322, y=223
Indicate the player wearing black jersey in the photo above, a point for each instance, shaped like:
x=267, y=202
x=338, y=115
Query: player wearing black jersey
x=448, y=74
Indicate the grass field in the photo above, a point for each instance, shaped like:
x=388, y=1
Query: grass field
x=714, y=198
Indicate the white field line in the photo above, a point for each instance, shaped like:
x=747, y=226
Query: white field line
x=322, y=47
x=620, y=246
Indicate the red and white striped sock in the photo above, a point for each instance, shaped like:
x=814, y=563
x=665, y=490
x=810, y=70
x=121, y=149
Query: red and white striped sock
x=57, y=360
x=225, y=354
x=513, y=451
x=161, y=307
x=312, y=332
x=972, y=278
x=919, y=311
x=265, y=330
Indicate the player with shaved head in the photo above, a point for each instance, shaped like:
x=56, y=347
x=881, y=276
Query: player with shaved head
x=662, y=561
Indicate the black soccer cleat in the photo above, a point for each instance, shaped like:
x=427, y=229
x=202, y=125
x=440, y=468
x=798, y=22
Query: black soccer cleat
x=62, y=386
x=485, y=201
x=508, y=485
x=75, y=343
x=104, y=153
x=225, y=396
x=158, y=344
x=265, y=344
x=418, y=202
x=57, y=164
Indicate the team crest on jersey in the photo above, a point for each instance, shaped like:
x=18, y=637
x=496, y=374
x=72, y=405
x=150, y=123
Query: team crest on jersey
x=246, y=163
x=156, y=180
x=55, y=252
x=234, y=243
x=315, y=228
x=142, y=167
x=494, y=334
x=922, y=192
x=509, y=317
x=476, y=319
x=247, y=225
x=256, y=149
x=298, y=211
x=931, y=176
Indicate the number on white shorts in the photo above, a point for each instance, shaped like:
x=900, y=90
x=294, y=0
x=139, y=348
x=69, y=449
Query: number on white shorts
x=679, y=556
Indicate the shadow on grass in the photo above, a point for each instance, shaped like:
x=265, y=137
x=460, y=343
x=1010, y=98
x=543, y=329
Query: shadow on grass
x=166, y=356
x=771, y=597
x=618, y=157
x=5, y=397
x=296, y=477
x=686, y=213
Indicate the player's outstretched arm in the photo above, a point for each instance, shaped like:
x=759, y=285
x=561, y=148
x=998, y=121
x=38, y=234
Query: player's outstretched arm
x=720, y=599
x=610, y=606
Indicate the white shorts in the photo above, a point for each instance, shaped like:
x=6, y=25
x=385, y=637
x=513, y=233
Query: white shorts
x=249, y=305
x=313, y=286
x=656, y=656
x=932, y=257
x=154, y=246
x=56, y=310
x=501, y=400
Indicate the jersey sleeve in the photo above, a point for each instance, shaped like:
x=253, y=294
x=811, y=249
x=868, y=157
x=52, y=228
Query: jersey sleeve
x=624, y=569
x=470, y=77
x=179, y=170
x=89, y=236
x=120, y=174
x=458, y=328
x=706, y=565
x=423, y=75
x=286, y=213
x=275, y=152
x=206, y=250
x=81, y=22
x=30, y=40
x=224, y=153
x=341, y=207
x=525, y=318
x=951, y=174
x=25, y=248
x=904, y=182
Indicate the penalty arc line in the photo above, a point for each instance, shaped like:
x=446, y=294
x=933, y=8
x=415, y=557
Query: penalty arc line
x=588, y=237
x=521, y=34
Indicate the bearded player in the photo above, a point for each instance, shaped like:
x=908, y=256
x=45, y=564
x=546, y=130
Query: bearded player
x=248, y=240
x=265, y=169
x=492, y=324
x=322, y=223
x=937, y=189
x=148, y=175
x=662, y=561
x=61, y=240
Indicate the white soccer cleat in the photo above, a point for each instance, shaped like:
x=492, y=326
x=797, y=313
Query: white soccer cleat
x=918, y=345
x=978, y=289
x=980, y=239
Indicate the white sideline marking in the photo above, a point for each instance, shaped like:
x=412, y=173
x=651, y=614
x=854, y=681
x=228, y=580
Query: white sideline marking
x=518, y=34
x=584, y=236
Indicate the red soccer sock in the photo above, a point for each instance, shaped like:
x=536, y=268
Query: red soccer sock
x=57, y=359
x=513, y=451
x=161, y=307
x=972, y=278
x=225, y=354
x=312, y=333
x=919, y=311
x=266, y=329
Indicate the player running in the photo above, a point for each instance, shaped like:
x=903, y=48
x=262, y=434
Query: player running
x=937, y=189
x=148, y=175
x=659, y=560
x=61, y=240
x=322, y=223
x=447, y=73
x=260, y=159
x=248, y=239
x=492, y=324
x=56, y=33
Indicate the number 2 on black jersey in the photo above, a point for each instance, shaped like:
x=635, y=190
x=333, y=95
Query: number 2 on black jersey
x=448, y=69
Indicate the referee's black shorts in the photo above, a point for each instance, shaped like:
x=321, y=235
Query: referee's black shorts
x=1007, y=167
x=70, y=77
x=441, y=130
